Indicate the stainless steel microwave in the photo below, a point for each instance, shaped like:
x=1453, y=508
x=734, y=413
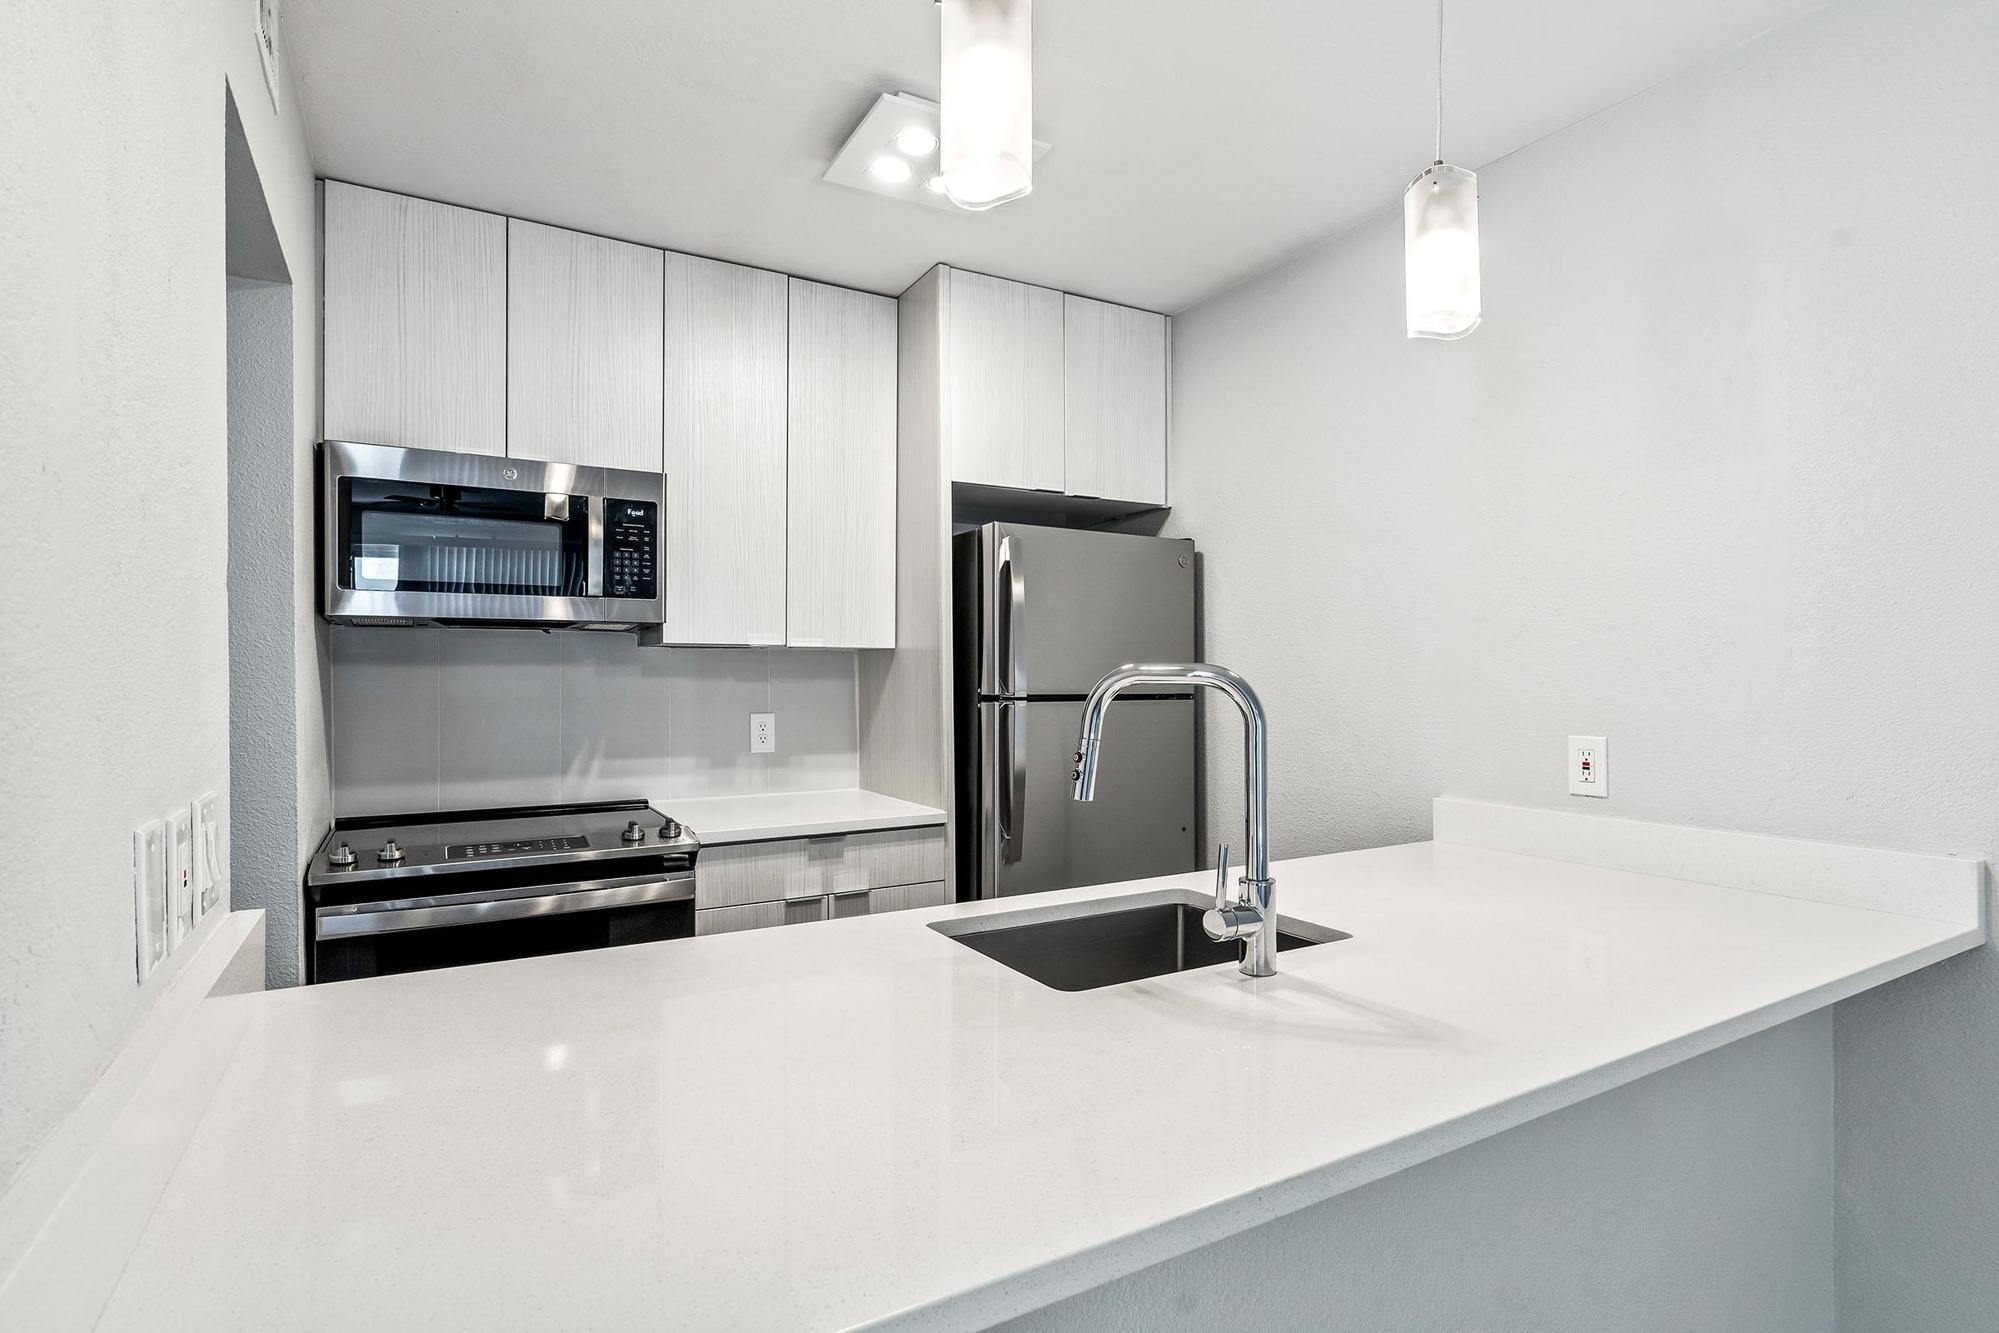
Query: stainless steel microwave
x=423, y=537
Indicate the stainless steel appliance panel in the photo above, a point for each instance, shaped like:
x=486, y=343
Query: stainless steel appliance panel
x=562, y=560
x=1033, y=836
x=1060, y=607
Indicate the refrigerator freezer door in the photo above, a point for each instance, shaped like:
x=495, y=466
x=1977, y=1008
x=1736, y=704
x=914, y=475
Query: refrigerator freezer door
x=1034, y=836
x=1062, y=607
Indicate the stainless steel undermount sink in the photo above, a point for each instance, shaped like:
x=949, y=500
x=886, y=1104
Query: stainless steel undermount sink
x=1106, y=941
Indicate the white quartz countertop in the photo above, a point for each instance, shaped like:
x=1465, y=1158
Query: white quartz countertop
x=800, y=814
x=860, y=1122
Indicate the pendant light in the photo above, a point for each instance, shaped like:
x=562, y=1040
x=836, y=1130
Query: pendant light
x=987, y=86
x=1440, y=237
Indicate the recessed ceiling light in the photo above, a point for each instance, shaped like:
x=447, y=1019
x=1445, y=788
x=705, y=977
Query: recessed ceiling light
x=879, y=136
x=889, y=169
x=916, y=141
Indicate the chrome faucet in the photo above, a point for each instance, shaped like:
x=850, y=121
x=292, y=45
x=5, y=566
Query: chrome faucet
x=1253, y=916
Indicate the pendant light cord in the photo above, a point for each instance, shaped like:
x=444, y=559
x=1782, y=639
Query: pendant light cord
x=1440, y=82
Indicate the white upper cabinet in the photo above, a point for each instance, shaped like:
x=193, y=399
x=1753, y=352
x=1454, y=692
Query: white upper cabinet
x=840, y=553
x=584, y=367
x=1003, y=382
x=1114, y=401
x=415, y=322
x=725, y=369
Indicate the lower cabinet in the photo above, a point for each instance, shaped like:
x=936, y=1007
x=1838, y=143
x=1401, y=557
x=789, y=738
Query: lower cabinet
x=746, y=886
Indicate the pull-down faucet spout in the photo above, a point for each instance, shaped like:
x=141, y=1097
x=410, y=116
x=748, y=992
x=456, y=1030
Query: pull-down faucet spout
x=1253, y=916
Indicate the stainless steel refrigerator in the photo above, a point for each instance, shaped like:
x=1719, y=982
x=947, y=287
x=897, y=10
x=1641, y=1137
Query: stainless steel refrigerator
x=1040, y=614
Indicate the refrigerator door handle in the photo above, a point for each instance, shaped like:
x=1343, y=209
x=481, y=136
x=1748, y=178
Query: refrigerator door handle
x=1013, y=808
x=1013, y=615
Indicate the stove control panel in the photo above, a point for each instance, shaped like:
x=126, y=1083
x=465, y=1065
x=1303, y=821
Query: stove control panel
x=461, y=851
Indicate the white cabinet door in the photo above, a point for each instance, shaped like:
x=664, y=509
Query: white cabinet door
x=725, y=453
x=1114, y=401
x=415, y=322
x=1003, y=382
x=583, y=348
x=840, y=551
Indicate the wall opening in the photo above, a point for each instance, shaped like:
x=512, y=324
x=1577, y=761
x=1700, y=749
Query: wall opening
x=263, y=713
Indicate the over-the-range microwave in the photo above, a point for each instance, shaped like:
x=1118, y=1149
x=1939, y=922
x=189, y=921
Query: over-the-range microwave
x=424, y=537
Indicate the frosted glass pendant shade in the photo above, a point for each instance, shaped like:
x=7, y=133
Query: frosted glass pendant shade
x=987, y=144
x=1440, y=238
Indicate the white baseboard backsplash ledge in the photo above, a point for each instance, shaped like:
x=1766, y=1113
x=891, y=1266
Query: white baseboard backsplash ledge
x=1920, y=884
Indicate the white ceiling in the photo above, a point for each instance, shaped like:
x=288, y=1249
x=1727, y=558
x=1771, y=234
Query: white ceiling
x=1194, y=141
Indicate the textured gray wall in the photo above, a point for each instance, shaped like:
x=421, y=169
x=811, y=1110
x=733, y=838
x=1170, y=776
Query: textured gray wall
x=1696, y=1200
x=263, y=678
x=1716, y=480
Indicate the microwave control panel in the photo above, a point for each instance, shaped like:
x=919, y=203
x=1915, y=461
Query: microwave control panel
x=631, y=556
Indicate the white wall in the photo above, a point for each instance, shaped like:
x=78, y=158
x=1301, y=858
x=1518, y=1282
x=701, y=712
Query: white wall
x=1696, y=1200
x=454, y=719
x=1716, y=480
x=113, y=440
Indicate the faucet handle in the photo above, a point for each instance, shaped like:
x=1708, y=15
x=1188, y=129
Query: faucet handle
x=1222, y=903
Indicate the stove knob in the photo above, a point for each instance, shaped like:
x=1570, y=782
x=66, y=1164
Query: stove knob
x=633, y=833
x=390, y=854
x=341, y=857
x=670, y=831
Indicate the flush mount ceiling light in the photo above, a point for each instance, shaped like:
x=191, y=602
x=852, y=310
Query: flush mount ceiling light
x=893, y=152
x=1440, y=238
x=988, y=96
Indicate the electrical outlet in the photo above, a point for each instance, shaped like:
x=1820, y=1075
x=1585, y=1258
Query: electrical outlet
x=149, y=894
x=209, y=875
x=763, y=733
x=180, y=876
x=1589, y=766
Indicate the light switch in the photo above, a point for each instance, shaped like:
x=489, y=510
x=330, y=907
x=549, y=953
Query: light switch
x=149, y=894
x=209, y=876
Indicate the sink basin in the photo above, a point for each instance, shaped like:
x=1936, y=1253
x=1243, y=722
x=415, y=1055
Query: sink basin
x=1106, y=941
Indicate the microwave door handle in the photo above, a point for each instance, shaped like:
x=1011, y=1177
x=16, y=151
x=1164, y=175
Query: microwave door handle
x=595, y=504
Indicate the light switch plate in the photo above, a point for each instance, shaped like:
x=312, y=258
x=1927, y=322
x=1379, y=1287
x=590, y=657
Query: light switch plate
x=149, y=894
x=209, y=873
x=763, y=733
x=1589, y=766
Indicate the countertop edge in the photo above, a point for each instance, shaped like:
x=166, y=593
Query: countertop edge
x=842, y=810
x=1034, y=1288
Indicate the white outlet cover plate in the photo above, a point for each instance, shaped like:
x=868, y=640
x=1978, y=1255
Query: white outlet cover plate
x=180, y=874
x=763, y=733
x=1589, y=766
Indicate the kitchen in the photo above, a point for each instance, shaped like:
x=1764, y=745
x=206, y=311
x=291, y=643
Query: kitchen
x=657, y=885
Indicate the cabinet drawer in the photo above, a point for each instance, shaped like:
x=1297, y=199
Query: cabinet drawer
x=845, y=863
x=895, y=898
x=755, y=916
x=901, y=897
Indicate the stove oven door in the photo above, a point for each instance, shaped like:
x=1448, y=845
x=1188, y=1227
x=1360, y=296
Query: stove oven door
x=370, y=939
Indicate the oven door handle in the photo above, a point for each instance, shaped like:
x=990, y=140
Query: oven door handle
x=470, y=910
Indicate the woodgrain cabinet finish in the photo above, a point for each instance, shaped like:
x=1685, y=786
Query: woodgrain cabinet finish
x=725, y=365
x=1003, y=374
x=840, y=511
x=839, y=866
x=584, y=356
x=415, y=322
x=1114, y=401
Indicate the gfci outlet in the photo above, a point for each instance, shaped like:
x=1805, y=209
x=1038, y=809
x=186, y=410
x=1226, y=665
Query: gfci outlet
x=1589, y=766
x=763, y=733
